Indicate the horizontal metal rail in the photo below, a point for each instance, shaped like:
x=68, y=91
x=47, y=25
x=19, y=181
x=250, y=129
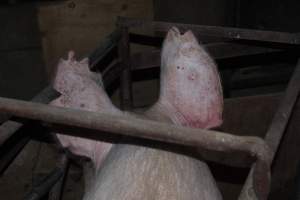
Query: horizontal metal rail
x=150, y=59
x=128, y=125
x=216, y=31
x=10, y=127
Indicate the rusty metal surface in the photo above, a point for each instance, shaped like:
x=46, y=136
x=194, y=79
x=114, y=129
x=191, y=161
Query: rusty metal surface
x=128, y=125
x=275, y=131
x=216, y=31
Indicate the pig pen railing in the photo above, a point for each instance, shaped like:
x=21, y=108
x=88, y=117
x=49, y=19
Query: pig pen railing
x=66, y=120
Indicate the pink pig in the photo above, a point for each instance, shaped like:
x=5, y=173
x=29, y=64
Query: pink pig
x=81, y=89
x=190, y=95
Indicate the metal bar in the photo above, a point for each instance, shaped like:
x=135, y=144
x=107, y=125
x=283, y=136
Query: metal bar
x=216, y=31
x=8, y=157
x=57, y=190
x=278, y=126
x=106, y=45
x=8, y=128
x=112, y=73
x=43, y=188
x=128, y=125
x=145, y=39
x=150, y=59
x=125, y=81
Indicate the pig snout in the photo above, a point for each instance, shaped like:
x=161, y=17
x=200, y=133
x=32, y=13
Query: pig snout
x=190, y=84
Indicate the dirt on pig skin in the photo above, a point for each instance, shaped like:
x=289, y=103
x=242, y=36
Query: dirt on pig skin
x=190, y=95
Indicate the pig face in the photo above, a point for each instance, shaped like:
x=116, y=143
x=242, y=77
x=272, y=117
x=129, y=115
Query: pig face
x=190, y=84
x=82, y=89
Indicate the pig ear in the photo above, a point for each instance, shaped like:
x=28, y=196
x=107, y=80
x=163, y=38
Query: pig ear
x=172, y=34
x=59, y=80
x=85, y=61
x=71, y=55
x=189, y=37
x=175, y=30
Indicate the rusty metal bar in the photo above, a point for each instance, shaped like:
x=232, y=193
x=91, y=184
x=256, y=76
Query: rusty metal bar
x=8, y=128
x=57, y=189
x=6, y=158
x=277, y=127
x=106, y=45
x=39, y=191
x=125, y=81
x=216, y=31
x=149, y=59
x=112, y=73
x=128, y=125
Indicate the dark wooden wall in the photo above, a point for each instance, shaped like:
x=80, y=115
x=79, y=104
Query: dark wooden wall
x=212, y=12
x=22, y=72
x=281, y=15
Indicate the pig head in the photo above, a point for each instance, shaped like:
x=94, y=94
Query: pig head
x=82, y=89
x=190, y=88
x=190, y=95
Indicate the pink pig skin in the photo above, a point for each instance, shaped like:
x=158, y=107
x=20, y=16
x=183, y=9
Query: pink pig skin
x=190, y=85
x=190, y=95
x=81, y=89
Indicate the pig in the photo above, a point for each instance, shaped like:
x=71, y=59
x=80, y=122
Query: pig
x=190, y=95
x=82, y=89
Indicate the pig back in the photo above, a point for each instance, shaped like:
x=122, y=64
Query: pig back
x=133, y=172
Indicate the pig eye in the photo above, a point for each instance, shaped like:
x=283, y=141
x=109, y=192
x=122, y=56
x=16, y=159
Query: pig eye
x=178, y=67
